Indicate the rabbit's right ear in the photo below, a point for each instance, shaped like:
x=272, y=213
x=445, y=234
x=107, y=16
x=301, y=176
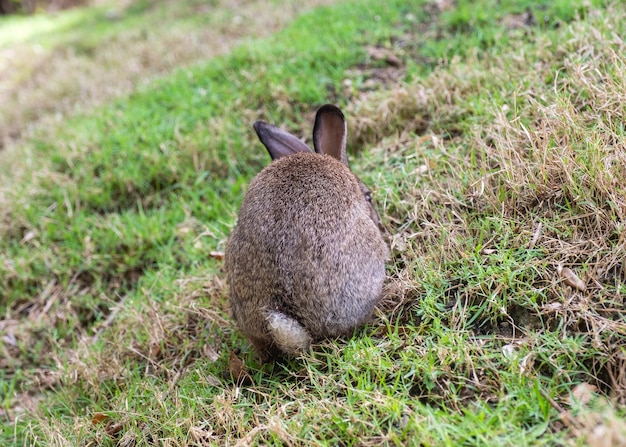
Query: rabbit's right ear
x=278, y=142
x=330, y=132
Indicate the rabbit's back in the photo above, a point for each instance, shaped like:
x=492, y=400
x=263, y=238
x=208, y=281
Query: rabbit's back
x=305, y=245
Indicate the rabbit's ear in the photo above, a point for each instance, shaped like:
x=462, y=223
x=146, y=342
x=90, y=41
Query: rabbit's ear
x=278, y=142
x=330, y=132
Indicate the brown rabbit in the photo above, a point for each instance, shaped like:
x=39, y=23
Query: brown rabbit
x=306, y=259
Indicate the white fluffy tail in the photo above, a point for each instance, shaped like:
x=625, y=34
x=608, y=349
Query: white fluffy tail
x=289, y=335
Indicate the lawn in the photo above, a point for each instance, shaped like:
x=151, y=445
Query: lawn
x=491, y=134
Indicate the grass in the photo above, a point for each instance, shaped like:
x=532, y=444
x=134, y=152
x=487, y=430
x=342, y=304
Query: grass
x=493, y=139
x=154, y=38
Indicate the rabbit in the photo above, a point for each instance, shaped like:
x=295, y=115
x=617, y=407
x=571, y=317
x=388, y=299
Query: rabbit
x=306, y=259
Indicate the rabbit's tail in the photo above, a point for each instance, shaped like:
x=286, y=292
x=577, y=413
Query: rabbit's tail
x=289, y=335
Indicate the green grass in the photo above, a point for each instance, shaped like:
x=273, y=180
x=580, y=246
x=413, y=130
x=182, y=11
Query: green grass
x=495, y=157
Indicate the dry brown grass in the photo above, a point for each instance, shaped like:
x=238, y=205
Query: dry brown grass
x=549, y=164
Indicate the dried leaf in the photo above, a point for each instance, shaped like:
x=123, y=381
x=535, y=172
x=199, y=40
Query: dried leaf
x=30, y=235
x=213, y=381
x=99, y=417
x=238, y=370
x=571, y=279
x=552, y=307
x=508, y=351
x=210, y=353
x=219, y=255
x=113, y=428
x=583, y=393
x=384, y=54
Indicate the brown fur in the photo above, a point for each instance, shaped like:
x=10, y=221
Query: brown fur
x=306, y=250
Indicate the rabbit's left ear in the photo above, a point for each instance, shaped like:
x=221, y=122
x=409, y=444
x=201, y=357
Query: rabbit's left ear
x=279, y=143
x=330, y=133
